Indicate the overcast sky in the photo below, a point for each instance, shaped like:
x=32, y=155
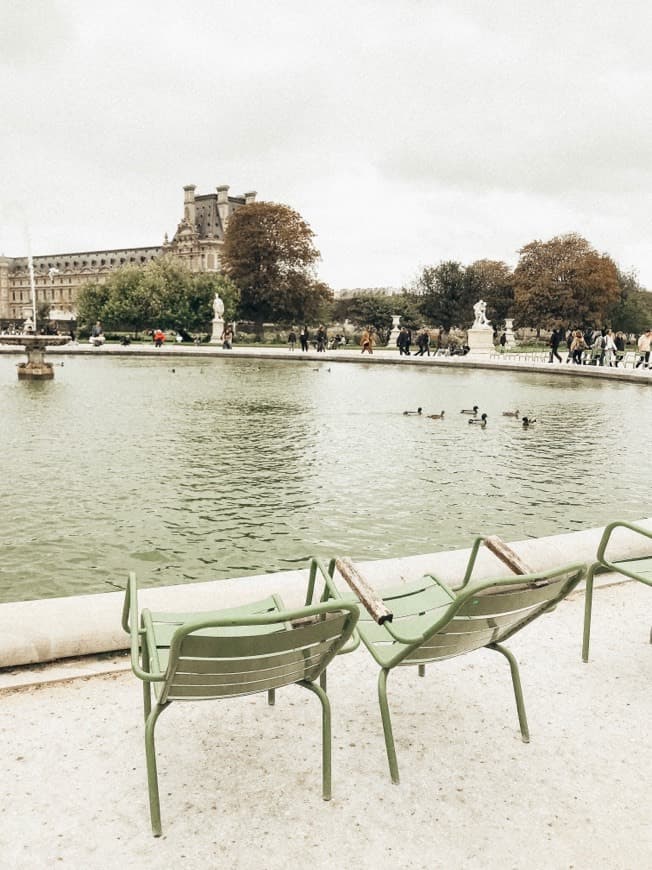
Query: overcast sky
x=405, y=132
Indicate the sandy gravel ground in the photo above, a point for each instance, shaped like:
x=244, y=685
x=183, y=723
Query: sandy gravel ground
x=240, y=781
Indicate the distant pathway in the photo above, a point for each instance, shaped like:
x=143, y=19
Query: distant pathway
x=381, y=356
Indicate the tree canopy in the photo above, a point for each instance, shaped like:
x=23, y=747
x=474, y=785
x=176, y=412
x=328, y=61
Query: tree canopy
x=444, y=296
x=270, y=256
x=164, y=293
x=492, y=281
x=367, y=310
x=633, y=311
x=566, y=281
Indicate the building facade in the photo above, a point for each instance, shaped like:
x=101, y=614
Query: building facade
x=58, y=277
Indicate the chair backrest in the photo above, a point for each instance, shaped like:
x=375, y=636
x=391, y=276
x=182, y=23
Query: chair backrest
x=492, y=612
x=226, y=657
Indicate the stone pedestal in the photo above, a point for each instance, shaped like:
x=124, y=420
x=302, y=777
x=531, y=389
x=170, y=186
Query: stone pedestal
x=218, y=330
x=391, y=341
x=510, y=340
x=480, y=340
x=36, y=368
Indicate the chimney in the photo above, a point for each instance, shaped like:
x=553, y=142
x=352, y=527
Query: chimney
x=250, y=197
x=223, y=204
x=189, y=203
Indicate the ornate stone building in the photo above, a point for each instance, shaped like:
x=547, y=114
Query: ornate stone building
x=58, y=277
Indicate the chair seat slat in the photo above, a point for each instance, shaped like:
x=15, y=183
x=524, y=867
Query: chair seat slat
x=251, y=644
x=205, y=669
x=265, y=605
x=642, y=567
x=445, y=645
x=496, y=600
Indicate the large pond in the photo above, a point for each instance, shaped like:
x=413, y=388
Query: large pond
x=191, y=470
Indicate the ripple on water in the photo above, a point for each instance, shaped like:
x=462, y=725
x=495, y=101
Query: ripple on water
x=233, y=467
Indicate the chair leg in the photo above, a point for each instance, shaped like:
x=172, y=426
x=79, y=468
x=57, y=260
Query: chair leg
x=588, y=606
x=271, y=697
x=147, y=686
x=326, y=736
x=323, y=681
x=152, y=776
x=518, y=692
x=387, y=725
x=147, y=698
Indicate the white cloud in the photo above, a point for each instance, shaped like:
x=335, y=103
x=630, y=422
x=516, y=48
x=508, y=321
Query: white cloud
x=405, y=133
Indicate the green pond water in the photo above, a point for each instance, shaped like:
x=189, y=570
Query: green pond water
x=193, y=470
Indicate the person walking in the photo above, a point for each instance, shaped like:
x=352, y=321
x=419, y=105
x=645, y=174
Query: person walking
x=403, y=342
x=578, y=346
x=609, y=348
x=367, y=342
x=555, y=340
x=292, y=339
x=227, y=337
x=620, y=342
x=643, y=344
x=423, y=343
x=303, y=338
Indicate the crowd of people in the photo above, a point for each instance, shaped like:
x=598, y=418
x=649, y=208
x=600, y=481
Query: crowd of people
x=602, y=347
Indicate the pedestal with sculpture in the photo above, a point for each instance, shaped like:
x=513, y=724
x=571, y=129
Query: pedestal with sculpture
x=510, y=339
x=218, y=321
x=37, y=368
x=481, y=334
x=391, y=341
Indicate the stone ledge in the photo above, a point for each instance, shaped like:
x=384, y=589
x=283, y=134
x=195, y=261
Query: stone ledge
x=33, y=632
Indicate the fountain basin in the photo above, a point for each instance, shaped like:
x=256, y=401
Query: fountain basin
x=37, y=367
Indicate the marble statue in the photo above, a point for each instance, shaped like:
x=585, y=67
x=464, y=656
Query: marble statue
x=480, y=311
x=218, y=307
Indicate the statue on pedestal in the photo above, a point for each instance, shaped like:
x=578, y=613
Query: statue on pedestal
x=480, y=311
x=391, y=341
x=481, y=336
x=218, y=320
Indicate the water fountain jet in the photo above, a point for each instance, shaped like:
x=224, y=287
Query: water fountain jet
x=37, y=368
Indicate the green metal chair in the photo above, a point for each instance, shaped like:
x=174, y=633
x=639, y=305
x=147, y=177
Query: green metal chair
x=427, y=621
x=258, y=647
x=636, y=569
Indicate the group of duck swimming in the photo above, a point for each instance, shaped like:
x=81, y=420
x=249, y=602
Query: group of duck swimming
x=473, y=412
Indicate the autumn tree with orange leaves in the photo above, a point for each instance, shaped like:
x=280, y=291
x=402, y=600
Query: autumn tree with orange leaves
x=564, y=281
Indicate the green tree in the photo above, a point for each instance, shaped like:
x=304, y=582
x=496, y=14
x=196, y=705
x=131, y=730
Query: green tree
x=633, y=311
x=164, y=293
x=444, y=295
x=269, y=255
x=406, y=304
x=491, y=280
x=91, y=302
x=130, y=303
x=564, y=280
x=367, y=310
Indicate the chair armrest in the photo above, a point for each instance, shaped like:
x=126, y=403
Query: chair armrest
x=330, y=592
x=606, y=537
x=372, y=601
x=505, y=553
x=500, y=549
x=367, y=595
x=130, y=609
